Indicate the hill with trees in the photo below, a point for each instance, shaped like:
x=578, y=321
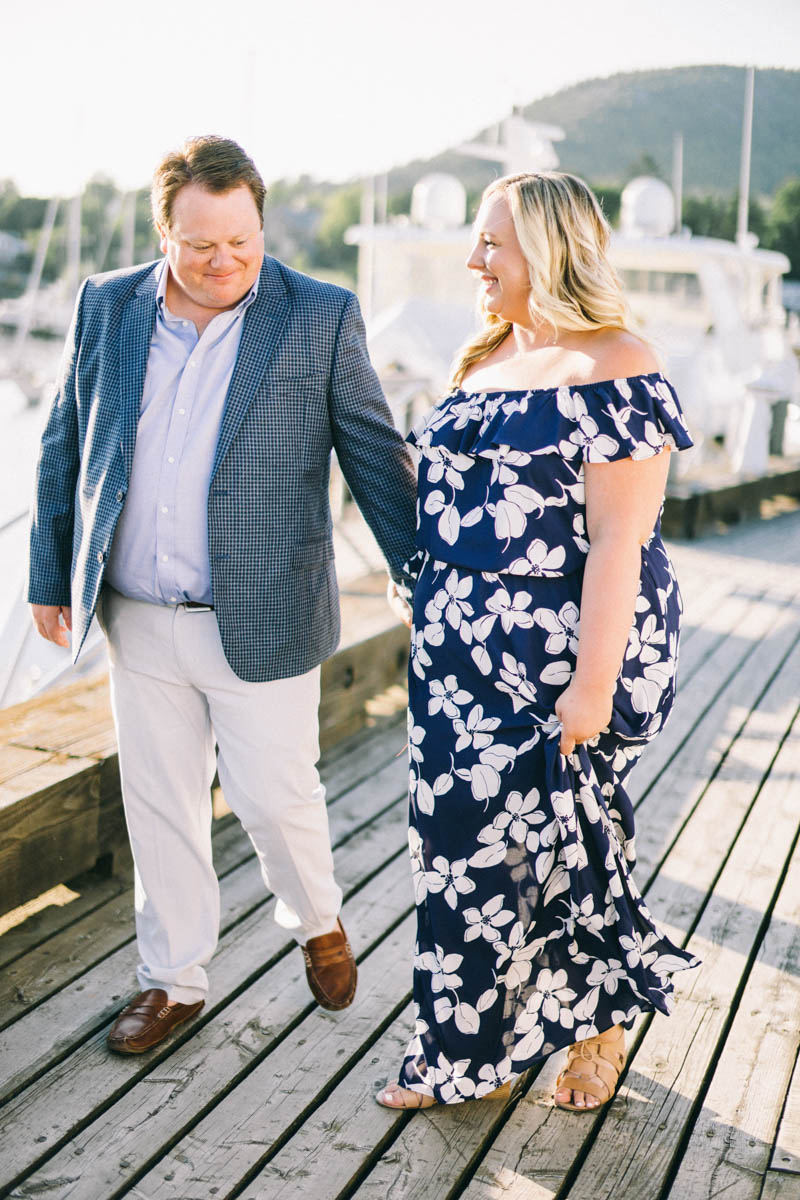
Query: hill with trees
x=616, y=128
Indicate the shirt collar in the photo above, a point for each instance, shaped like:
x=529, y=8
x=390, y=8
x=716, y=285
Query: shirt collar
x=161, y=291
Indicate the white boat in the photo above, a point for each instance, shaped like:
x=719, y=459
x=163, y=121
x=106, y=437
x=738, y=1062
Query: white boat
x=27, y=663
x=713, y=309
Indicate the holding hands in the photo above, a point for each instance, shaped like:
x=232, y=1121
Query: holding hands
x=400, y=607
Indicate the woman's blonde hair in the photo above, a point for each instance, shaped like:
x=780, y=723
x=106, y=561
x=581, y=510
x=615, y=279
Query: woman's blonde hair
x=564, y=237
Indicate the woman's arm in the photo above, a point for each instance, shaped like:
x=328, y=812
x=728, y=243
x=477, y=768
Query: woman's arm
x=623, y=500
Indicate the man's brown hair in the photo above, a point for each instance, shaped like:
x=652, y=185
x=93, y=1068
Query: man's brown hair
x=215, y=163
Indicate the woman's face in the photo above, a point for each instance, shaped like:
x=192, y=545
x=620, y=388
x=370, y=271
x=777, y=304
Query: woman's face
x=497, y=258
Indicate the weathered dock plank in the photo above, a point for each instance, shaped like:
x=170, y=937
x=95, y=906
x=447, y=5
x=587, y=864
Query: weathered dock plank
x=688, y=756
x=28, y=927
x=786, y=1154
x=728, y=618
x=54, y=803
x=164, y=1105
x=645, y=1123
x=759, y=538
x=50, y=1032
x=64, y=1098
x=536, y=1151
x=380, y=1181
x=435, y=1151
x=778, y=1187
x=332, y=1148
x=62, y=719
x=532, y=1156
x=384, y=1179
x=731, y=1143
x=52, y=966
x=242, y=1131
x=266, y=1096
x=692, y=508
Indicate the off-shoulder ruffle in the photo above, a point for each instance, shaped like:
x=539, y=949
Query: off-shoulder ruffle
x=597, y=422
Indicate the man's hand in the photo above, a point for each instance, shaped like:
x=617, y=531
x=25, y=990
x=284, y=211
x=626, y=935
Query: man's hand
x=400, y=607
x=52, y=622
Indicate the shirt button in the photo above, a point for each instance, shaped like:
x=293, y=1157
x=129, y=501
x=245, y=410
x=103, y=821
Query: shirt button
x=165, y=558
x=164, y=508
x=181, y=411
x=170, y=459
x=100, y=556
x=120, y=497
x=184, y=324
x=193, y=364
x=172, y=599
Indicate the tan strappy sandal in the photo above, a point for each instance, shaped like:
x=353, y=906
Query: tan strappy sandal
x=420, y=1101
x=593, y=1067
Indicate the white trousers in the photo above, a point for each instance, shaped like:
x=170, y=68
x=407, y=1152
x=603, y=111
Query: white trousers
x=174, y=694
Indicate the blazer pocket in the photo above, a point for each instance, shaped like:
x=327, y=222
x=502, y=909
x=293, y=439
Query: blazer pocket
x=285, y=378
x=313, y=552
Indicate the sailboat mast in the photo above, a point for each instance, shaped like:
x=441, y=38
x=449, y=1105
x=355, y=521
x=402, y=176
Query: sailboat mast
x=34, y=279
x=128, y=240
x=73, y=271
x=744, y=163
x=366, y=275
x=677, y=179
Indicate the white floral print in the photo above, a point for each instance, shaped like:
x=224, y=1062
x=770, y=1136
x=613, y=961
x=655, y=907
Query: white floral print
x=531, y=931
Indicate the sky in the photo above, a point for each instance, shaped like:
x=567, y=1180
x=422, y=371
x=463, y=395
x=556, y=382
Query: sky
x=328, y=88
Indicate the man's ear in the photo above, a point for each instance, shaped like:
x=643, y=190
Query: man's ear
x=162, y=233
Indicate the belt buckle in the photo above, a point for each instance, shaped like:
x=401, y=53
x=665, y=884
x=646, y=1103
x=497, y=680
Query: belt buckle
x=194, y=606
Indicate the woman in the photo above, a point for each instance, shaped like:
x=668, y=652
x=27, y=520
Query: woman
x=544, y=646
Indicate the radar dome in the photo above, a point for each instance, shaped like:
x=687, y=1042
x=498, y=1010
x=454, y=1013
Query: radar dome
x=439, y=202
x=648, y=208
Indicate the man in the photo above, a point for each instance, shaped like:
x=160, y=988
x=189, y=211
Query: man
x=182, y=492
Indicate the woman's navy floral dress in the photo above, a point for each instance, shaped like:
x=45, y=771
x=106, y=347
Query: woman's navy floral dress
x=531, y=932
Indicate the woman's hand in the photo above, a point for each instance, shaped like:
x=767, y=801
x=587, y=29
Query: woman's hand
x=582, y=713
x=400, y=607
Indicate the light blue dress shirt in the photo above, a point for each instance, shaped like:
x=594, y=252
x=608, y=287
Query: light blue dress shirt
x=160, y=549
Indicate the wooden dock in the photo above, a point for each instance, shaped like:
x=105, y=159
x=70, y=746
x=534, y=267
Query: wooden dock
x=268, y=1097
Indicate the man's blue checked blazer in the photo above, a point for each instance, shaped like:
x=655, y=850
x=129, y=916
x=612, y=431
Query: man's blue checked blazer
x=302, y=385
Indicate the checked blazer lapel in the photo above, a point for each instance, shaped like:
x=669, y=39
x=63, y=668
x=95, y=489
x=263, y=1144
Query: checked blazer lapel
x=136, y=329
x=264, y=323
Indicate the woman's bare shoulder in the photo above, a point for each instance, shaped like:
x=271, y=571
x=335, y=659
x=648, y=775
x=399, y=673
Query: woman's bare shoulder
x=620, y=355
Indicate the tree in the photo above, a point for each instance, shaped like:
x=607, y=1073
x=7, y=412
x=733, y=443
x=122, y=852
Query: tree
x=18, y=213
x=716, y=216
x=399, y=203
x=610, y=200
x=783, y=225
x=645, y=164
x=340, y=210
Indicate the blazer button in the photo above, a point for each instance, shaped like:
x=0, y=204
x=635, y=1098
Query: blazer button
x=120, y=497
x=100, y=556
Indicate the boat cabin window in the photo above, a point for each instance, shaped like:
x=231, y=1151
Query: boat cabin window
x=681, y=285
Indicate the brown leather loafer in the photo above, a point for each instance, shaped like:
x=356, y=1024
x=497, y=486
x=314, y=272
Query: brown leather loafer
x=147, y=1020
x=331, y=968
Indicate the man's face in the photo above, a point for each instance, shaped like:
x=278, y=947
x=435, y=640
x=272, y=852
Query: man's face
x=214, y=245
